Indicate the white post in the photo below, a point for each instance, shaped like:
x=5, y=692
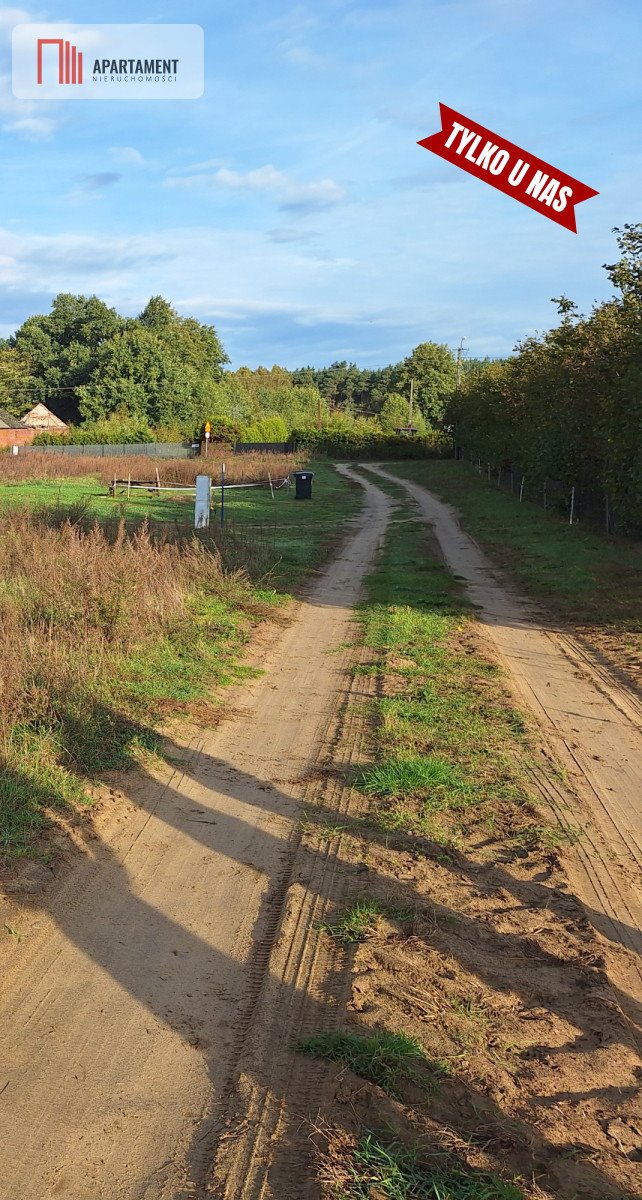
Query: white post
x=570, y=520
x=203, y=502
x=521, y=489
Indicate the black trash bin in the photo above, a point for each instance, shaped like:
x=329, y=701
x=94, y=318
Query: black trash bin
x=303, y=485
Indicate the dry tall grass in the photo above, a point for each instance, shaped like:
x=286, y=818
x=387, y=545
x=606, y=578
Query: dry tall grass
x=240, y=468
x=74, y=604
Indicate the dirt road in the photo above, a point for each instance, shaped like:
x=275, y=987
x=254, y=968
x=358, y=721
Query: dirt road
x=590, y=723
x=141, y=987
x=129, y=986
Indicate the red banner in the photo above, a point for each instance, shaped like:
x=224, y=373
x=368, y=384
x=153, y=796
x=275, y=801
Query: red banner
x=507, y=168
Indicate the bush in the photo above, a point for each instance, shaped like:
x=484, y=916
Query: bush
x=116, y=430
x=369, y=443
x=269, y=429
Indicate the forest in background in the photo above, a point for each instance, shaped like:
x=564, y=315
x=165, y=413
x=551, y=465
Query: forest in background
x=565, y=406
x=161, y=376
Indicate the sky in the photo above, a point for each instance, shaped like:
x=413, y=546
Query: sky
x=291, y=206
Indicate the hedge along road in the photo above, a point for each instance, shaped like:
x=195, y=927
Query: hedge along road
x=589, y=722
x=132, y=985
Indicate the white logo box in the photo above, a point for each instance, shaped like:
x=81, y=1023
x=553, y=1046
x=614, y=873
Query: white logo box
x=66, y=61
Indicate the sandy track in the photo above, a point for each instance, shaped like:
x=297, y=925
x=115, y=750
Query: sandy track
x=127, y=1003
x=589, y=721
x=144, y=1012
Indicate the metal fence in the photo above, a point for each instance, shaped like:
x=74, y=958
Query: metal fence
x=586, y=505
x=151, y=449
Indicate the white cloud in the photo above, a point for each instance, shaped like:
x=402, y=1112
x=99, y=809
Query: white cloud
x=254, y=277
x=26, y=118
x=299, y=55
x=35, y=129
x=289, y=193
x=12, y=16
x=128, y=156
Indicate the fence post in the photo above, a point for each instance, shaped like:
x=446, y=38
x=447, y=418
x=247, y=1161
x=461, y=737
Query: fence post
x=479, y=466
x=545, y=485
x=521, y=489
x=202, y=501
x=570, y=519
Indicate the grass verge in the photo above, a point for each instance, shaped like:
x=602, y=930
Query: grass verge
x=446, y=741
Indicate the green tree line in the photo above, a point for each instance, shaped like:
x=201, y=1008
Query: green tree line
x=568, y=405
x=161, y=376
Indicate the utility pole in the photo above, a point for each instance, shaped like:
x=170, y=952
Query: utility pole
x=412, y=392
x=460, y=351
x=318, y=409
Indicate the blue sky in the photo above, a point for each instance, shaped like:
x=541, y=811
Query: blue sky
x=291, y=207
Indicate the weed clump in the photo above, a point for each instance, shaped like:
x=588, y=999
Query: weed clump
x=386, y=1059
x=398, y=1172
x=361, y=919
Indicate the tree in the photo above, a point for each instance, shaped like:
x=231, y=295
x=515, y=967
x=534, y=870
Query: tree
x=433, y=369
x=62, y=347
x=18, y=387
x=568, y=405
x=145, y=375
x=394, y=414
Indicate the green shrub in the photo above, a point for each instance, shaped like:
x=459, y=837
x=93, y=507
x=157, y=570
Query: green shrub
x=268, y=429
x=116, y=430
x=369, y=442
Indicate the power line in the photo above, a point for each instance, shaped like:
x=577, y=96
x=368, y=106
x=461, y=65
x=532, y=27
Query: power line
x=27, y=388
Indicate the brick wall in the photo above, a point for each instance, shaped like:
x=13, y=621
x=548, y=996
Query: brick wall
x=17, y=437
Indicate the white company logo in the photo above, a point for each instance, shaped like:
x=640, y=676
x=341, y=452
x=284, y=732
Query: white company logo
x=108, y=62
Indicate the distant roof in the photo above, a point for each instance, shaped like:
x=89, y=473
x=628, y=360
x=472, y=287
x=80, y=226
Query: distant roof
x=42, y=418
x=9, y=422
